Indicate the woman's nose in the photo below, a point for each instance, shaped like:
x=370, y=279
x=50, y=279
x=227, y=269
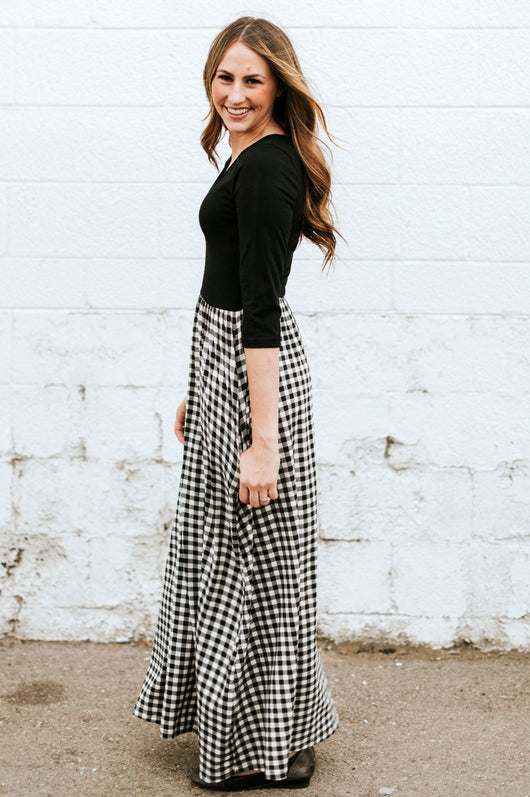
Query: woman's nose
x=236, y=93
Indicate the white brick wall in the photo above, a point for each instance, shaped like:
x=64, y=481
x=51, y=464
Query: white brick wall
x=419, y=341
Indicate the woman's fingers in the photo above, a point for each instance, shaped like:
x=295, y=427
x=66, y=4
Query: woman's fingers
x=254, y=498
x=258, y=496
x=179, y=420
x=258, y=476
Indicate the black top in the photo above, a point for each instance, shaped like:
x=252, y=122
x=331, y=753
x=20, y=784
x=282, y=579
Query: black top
x=251, y=219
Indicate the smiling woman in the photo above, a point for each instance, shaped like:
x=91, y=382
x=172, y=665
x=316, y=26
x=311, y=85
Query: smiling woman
x=244, y=91
x=235, y=656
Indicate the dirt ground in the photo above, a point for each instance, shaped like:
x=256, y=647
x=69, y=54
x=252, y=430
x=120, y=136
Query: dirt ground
x=412, y=722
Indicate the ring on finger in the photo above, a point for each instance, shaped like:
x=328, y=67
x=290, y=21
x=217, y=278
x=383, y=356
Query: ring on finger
x=265, y=500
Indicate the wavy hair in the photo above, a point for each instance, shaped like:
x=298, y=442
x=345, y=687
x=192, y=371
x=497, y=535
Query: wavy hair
x=295, y=110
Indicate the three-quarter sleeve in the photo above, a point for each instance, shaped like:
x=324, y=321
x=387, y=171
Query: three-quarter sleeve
x=266, y=188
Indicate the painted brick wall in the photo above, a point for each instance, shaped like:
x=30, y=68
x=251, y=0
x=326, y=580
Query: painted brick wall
x=419, y=341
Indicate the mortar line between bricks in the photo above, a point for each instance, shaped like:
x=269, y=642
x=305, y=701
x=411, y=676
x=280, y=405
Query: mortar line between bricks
x=297, y=260
x=523, y=107
x=156, y=310
x=184, y=183
x=92, y=27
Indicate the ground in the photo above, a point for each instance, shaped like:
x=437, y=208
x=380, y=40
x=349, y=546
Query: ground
x=412, y=722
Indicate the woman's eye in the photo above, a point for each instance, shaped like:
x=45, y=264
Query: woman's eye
x=252, y=80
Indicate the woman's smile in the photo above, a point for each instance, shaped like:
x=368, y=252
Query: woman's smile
x=237, y=112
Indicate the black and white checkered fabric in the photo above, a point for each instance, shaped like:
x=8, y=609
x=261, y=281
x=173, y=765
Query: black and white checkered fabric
x=234, y=657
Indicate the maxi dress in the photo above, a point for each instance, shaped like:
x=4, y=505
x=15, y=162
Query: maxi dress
x=235, y=656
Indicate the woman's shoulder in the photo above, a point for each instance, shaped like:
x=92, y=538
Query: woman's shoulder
x=272, y=159
x=270, y=150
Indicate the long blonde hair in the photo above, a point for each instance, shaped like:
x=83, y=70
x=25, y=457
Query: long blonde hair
x=295, y=110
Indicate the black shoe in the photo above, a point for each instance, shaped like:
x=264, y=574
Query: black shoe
x=301, y=768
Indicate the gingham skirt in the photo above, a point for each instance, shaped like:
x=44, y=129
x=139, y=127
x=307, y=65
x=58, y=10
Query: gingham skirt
x=235, y=658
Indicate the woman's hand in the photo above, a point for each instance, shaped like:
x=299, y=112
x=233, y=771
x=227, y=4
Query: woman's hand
x=179, y=420
x=258, y=468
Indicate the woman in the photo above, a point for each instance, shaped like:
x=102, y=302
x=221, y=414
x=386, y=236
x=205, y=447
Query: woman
x=235, y=657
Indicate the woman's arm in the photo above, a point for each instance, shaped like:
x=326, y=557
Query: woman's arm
x=260, y=463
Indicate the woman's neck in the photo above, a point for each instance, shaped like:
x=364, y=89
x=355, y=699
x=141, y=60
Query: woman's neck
x=239, y=142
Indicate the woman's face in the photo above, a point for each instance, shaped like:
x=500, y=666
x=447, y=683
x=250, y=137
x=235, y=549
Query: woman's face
x=243, y=91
